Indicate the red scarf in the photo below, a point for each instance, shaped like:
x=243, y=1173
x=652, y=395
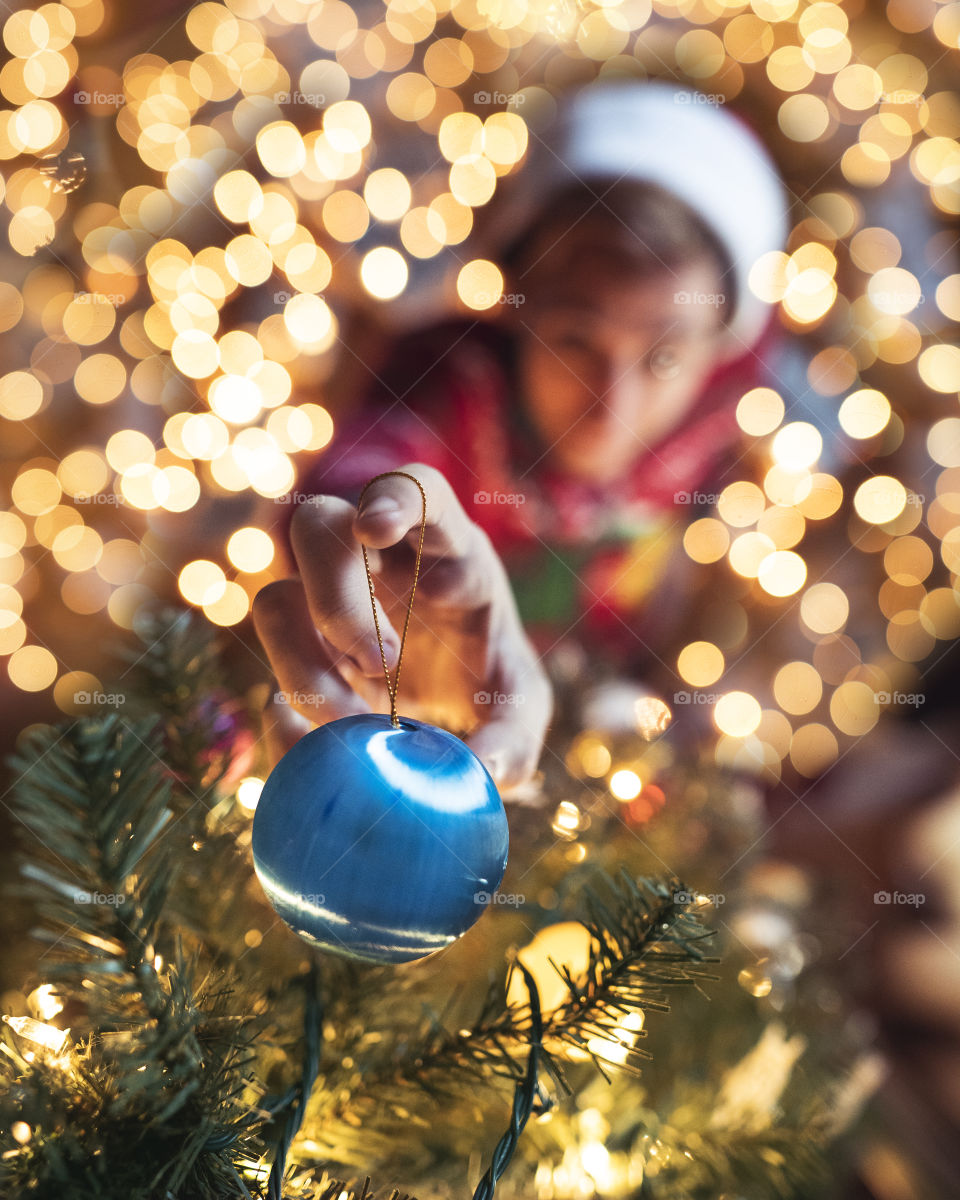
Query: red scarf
x=459, y=416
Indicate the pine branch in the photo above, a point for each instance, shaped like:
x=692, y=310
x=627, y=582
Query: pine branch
x=96, y=800
x=174, y=674
x=645, y=941
x=158, y=1101
x=644, y=944
x=152, y=1102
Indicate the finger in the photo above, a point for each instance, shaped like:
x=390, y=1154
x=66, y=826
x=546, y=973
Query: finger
x=459, y=565
x=513, y=718
x=330, y=561
x=508, y=749
x=307, y=679
x=283, y=727
x=392, y=506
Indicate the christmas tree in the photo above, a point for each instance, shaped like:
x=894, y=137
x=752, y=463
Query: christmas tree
x=201, y=199
x=210, y=1053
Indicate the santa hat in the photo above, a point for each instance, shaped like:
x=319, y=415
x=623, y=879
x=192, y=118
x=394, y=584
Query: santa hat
x=682, y=141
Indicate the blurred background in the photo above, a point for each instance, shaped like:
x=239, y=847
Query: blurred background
x=215, y=214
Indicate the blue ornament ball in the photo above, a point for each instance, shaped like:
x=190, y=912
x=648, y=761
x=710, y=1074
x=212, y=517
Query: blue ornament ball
x=380, y=843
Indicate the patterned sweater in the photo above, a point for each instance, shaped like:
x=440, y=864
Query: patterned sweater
x=585, y=561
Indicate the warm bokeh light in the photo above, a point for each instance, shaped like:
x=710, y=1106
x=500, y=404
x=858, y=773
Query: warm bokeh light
x=749, y=551
x=480, y=284
x=387, y=193
x=812, y=749
x=819, y=497
x=32, y=668
x=706, y=540
x=853, y=708
x=250, y=549
x=202, y=581
x=796, y=446
x=652, y=716
x=700, y=663
x=760, y=411
x=229, y=607
x=864, y=413
x=384, y=273
x=625, y=784
x=939, y=367
x=741, y=504
x=880, y=499
x=248, y=793
x=782, y=573
x=178, y=335
x=737, y=714
x=565, y=945
x=824, y=608
x=797, y=687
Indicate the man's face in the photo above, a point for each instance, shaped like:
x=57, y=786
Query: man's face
x=609, y=365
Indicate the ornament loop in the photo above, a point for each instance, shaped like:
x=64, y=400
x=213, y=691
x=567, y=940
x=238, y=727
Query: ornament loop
x=392, y=685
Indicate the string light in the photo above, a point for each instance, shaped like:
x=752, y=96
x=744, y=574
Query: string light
x=625, y=784
x=248, y=793
x=320, y=211
x=568, y=820
x=45, y=1001
x=48, y=1037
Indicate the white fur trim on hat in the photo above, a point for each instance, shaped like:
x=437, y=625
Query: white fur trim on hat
x=676, y=138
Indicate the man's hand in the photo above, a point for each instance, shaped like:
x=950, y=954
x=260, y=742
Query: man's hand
x=467, y=663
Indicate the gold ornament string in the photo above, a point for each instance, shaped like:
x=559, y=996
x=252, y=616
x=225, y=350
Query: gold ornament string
x=393, y=684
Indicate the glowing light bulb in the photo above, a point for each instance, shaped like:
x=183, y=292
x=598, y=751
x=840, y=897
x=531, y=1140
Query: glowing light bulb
x=567, y=820
x=248, y=793
x=625, y=784
x=41, y=1034
x=45, y=1001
